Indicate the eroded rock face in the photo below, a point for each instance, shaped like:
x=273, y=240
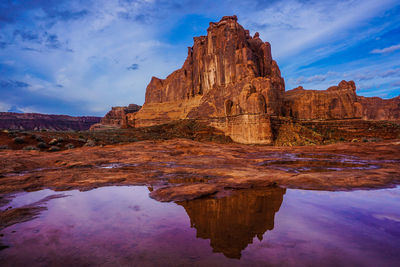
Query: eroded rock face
x=376, y=108
x=228, y=80
x=337, y=102
x=116, y=117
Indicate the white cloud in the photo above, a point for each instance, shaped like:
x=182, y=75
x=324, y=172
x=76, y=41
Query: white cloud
x=4, y=107
x=115, y=34
x=104, y=44
x=294, y=26
x=389, y=49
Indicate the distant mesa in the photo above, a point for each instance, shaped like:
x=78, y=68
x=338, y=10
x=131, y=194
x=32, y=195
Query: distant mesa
x=231, y=223
x=230, y=81
x=37, y=122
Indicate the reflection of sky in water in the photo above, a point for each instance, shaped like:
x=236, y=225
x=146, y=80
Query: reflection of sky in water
x=122, y=226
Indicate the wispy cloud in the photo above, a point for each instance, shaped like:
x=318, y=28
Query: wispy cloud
x=389, y=49
x=133, y=67
x=118, y=45
x=311, y=79
x=294, y=26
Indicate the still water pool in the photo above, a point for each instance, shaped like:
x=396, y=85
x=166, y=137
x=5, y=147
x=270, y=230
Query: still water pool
x=121, y=225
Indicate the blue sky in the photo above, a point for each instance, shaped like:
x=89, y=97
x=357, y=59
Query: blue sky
x=82, y=57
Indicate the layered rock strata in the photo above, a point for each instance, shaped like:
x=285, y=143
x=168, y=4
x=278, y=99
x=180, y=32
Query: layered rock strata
x=117, y=117
x=338, y=102
x=229, y=80
x=37, y=122
x=376, y=108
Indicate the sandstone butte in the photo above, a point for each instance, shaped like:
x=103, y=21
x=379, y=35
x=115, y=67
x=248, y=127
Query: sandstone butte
x=230, y=81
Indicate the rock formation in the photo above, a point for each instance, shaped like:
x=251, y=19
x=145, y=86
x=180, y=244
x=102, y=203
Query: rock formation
x=376, y=108
x=232, y=222
x=337, y=102
x=36, y=121
x=116, y=117
x=228, y=80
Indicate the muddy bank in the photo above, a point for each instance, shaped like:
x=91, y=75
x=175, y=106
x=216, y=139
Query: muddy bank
x=182, y=169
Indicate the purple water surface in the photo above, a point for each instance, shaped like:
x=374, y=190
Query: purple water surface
x=113, y=226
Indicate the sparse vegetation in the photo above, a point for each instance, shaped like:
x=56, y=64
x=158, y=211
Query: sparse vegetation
x=30, y=148
x=69, y=146
x=19, y=140
x=54, y=149
x=42, y=145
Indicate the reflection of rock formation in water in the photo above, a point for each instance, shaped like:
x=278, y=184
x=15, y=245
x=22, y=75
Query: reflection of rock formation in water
x=232, y=222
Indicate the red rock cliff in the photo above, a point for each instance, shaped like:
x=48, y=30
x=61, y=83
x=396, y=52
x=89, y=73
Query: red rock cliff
x=337, y=102
x=117, y=117
x=376, y=108
x=228, y=79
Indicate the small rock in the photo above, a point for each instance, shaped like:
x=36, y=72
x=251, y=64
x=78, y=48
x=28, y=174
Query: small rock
x=69, y=146
x=4, y=147
x=183, y=192
x=53, y=142
x=90, y=143
x=54, y=149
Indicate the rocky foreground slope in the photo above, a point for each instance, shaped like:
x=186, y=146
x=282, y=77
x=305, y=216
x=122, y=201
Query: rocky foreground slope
x=36, y=121
x=230, y=81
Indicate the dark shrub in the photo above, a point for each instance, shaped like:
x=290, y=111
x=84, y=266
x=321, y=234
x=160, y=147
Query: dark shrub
x=30, y=148
x=54, y=149
x=69, y=146
x=19, y=140
x=42, y=145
